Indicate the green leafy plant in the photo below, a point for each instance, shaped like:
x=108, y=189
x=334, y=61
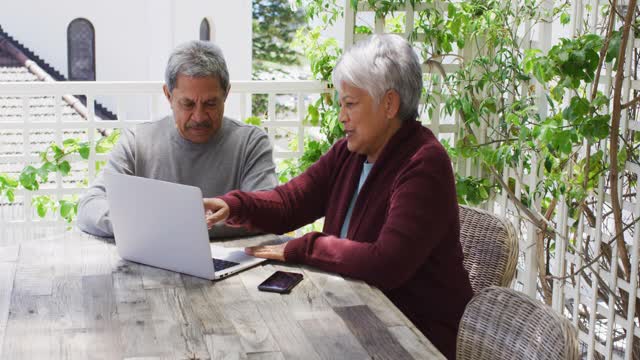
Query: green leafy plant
x=54, y=160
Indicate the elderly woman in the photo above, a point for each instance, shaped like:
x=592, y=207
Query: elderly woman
x=386, y=191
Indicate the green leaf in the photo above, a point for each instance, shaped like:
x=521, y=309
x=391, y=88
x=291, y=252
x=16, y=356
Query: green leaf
x=10, y=195
x=557, y=92
x=7, y=181
x=64, y=168
x=530, y=59
x=614, y=46
x=578, y=108
x=105, y=144
x=84, y=151
x=57, y=151
x=513, y=119
x=253, y=120
x=313, y=117
x=67, y=208
x=489, y=104
x=44, y=171
x=69, y=142
x=548, y=163
x=28, y=178
x=362, y=29
x=451, y=10
x=99, y=165
x=565, y=19
x=41, y=209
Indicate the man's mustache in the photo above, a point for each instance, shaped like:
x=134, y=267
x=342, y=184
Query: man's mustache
x=199, y=125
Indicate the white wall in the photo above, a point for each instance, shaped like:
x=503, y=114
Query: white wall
x=231, y=22
x=133, y=38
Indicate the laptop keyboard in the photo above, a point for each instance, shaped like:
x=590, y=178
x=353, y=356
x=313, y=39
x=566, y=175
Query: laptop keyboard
x=219, y=264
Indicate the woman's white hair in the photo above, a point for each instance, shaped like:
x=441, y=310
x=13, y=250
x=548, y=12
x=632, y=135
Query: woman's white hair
x=380, y=63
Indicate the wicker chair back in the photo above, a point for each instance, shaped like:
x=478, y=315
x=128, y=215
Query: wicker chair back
x=503, y=324
x=490, y=248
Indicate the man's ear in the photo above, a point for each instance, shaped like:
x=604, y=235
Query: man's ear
x=227, y=92
x=391, y=101
x=167, y=94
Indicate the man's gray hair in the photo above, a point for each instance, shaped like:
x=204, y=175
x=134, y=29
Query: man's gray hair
x=380, y=63
x=197, y=59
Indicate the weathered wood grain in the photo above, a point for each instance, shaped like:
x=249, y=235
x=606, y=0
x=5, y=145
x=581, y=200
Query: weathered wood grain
x=285, y=329
x=29, y=332
x=68, y=316
x=100, y=316
x=208, y=312
x=67, y=258
x=154, y=278
x=254, y=333
x=415, y=343
x=34, y=274
x=7, y=273
x=332, y=339
x=225, y=347
x=381, y=306
x=34, y=279
x=137, y=333
x=334, y=288
x=372, y=333
x=177, y=330
x=66, y=295
x=94, y=257
x=266, y=356
x=306, y=301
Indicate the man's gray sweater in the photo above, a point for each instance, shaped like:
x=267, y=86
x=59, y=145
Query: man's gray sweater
x=238, y=156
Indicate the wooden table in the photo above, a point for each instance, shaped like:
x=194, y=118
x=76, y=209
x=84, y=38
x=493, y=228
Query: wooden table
x=67, y=295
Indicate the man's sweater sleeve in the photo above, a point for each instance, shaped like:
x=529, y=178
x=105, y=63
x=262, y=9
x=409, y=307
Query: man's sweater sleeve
x=418, y=218
x=259, y=171
x=93, y=208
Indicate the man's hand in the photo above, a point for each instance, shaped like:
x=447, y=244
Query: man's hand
x=272, y=252
x=216, y=211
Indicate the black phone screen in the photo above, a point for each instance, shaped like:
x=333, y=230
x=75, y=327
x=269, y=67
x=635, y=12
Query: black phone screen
x=280, y=282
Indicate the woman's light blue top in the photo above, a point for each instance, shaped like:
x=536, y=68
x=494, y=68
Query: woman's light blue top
x=366, y=168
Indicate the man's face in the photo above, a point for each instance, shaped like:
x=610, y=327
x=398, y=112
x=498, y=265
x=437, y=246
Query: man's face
x=198, y=106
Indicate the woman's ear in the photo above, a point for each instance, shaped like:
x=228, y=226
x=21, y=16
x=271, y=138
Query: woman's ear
x=391, y=101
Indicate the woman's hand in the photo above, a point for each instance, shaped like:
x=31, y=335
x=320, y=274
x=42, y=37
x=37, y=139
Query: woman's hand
x=216, y=211
x=272, y=252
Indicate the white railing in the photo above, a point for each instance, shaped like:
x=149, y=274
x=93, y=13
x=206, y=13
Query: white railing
x=150, y=98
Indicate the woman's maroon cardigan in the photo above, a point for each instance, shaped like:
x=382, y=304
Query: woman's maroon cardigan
x=404, y=231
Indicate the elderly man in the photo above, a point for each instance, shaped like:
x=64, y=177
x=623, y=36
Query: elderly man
x=196, y=146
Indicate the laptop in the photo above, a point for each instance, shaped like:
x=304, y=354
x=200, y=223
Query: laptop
x=162, y=224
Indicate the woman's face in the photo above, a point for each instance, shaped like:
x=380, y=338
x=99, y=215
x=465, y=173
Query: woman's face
x=367, y=126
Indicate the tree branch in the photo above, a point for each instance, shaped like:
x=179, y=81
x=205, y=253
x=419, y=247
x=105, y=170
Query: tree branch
x=614, y=135
x=631, y=103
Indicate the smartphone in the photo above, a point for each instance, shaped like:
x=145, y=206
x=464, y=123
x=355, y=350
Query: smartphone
x=280, y=282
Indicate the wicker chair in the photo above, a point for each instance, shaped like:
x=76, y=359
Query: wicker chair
x=501, y=323
x=490, y=248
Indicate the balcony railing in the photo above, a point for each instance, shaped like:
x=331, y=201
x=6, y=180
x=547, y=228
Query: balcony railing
x=33, y=115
